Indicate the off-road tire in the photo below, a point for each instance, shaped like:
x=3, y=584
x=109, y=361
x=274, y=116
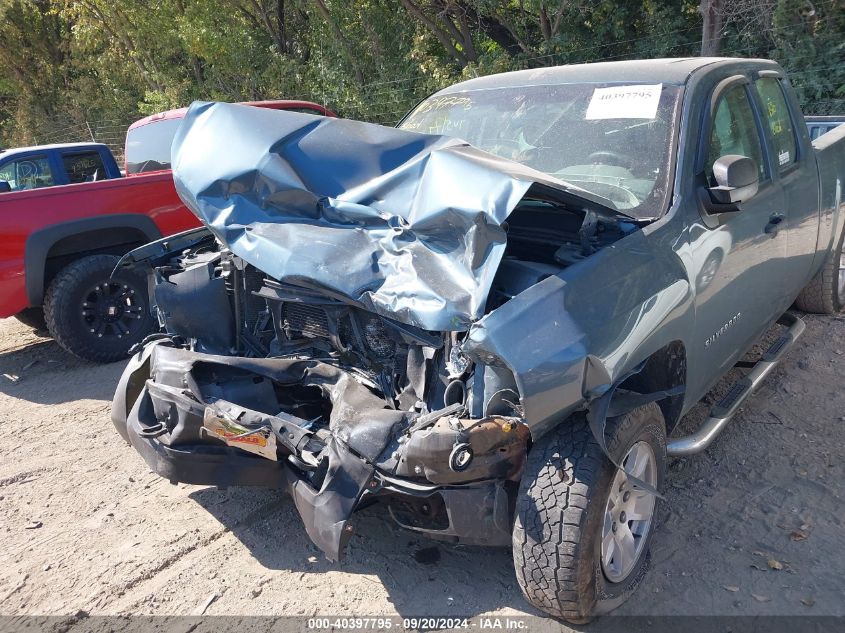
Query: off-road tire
x=32, y=317
x=63, y=304
x=821, y=295
x=560, y=513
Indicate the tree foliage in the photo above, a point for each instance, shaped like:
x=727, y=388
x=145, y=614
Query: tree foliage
x=64, y=63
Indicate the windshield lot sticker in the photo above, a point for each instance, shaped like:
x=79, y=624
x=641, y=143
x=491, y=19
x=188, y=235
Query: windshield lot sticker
x=783, y=157
x=624, y=102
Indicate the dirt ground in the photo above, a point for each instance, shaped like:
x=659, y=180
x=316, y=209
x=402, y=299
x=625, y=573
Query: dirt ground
x=752, y=526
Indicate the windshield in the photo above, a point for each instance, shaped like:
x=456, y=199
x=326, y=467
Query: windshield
x=613, y=140
x=148, y=146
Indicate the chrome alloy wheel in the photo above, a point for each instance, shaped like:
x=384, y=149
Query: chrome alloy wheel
x=841, y=285
x=629, y=514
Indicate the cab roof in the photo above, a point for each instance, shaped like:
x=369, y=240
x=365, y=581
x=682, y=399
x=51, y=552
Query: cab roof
x=674, y=71
x=53, y=146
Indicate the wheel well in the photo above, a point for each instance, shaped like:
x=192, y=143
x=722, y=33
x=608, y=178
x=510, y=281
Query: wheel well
x=111, y=241
x=53, y=247
x=665, y=369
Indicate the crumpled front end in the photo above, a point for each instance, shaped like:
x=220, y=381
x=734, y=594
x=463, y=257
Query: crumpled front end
x=326, y=332
x=287, y=387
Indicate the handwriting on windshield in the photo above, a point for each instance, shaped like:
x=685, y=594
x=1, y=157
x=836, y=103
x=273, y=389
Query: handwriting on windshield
x=436, y=104
x=444, y=102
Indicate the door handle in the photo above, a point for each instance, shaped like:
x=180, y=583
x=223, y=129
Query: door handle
x=773, y=226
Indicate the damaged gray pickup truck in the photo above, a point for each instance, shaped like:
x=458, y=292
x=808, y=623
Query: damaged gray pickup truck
x=490, y=319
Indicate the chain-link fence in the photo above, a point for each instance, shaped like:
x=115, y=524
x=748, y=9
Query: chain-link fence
x=826, y=107
x=111, y=132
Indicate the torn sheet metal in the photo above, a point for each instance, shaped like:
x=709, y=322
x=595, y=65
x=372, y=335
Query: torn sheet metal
x=408, y=225
x=191, y=403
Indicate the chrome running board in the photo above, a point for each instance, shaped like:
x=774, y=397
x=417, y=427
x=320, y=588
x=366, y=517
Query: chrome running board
x=730, y=403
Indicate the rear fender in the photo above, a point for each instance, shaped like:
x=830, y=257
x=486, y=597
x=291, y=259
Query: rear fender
x=106, y=228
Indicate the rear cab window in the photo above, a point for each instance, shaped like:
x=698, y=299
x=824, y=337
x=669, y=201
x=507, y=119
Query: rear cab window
x=30, y=172
x=776, y=115
x=84, y=166
x=148, y=146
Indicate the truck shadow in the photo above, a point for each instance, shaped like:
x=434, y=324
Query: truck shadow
x=34, y=368
x=422, y=577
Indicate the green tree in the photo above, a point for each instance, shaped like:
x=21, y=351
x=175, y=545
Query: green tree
x=65, y=63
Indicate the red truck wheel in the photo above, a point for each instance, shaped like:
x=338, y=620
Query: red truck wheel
x=94, y=316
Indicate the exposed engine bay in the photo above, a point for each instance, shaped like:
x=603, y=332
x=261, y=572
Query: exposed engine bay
x=324, y=381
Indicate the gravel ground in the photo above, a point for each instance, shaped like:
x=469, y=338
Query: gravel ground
x=753, y=526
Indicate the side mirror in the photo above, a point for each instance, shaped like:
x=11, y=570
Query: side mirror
x=737, y=179
x=5, y=187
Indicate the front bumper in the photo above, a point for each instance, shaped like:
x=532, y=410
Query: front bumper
x=169, y=426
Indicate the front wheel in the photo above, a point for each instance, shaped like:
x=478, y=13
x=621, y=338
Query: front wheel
x=582, y=530
x=94, y=316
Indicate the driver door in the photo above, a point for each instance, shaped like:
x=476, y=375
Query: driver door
x=737, y=256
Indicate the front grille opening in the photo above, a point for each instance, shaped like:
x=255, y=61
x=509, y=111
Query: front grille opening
x=261, y=393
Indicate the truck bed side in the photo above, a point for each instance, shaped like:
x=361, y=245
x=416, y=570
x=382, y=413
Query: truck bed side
x=43, y=229
x=830, y=157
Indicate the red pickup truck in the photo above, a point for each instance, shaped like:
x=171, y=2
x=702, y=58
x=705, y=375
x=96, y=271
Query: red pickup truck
x=66, y=216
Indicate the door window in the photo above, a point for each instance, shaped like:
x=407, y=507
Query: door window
x=734, y=131
x=31, y=172
x=777, y=116
x=84, y=166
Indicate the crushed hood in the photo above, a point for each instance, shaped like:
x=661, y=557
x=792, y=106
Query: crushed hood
x=407, y=225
